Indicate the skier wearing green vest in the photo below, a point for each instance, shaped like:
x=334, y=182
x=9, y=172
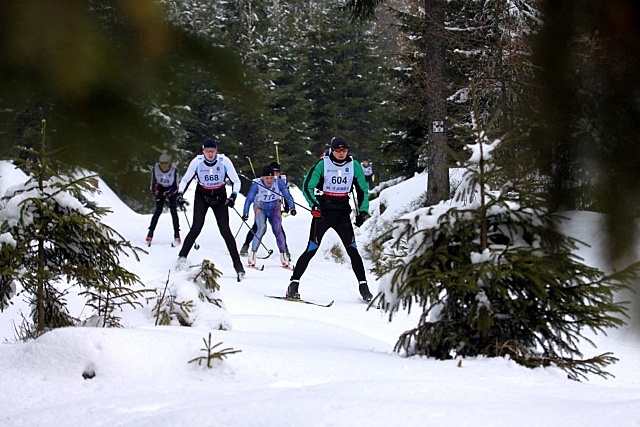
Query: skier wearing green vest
x=333, y=177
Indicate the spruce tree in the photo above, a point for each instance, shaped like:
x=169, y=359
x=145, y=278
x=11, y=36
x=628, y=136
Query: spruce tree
x=52, y=235
x=495, y=276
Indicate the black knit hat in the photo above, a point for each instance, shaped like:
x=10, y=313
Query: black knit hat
x=267, y=171
x=210, y=143
x=275, y=166
x=339, y=142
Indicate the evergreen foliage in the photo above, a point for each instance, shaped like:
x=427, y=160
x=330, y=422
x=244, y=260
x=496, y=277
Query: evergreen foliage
x=494, y=276
x=211, y=355
x=52, y=235
x=487, y=41
x=170, y=306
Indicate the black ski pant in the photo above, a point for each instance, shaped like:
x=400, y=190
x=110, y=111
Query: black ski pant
x=201, y=204
x=173, y=208
x=340, y=221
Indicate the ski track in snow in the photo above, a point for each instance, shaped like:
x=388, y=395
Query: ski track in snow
x=299, y=365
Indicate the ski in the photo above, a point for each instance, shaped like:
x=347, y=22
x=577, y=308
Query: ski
x=288, y=267
x=255, y=267
x=300, y=300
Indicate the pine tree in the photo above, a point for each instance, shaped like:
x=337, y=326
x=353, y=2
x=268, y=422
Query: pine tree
x=494, y=276
x=52, y=234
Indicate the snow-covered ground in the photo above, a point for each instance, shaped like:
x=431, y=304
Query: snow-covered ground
x=299, y=365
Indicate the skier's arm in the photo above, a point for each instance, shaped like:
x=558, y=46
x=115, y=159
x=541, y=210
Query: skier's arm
x=174, y=185
x=188, y=175
x=310, y=182
x=251, y=195
x=361, y=186
x=153, y=179
x=288, y=198
x=232, y=175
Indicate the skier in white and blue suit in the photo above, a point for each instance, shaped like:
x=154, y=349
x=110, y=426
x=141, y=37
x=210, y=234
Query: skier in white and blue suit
x=266, y=194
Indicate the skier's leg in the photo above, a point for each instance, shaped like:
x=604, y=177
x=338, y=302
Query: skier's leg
x=286, y=246
x=345, y=230
x=261, y=229
x=222, y=218
x=199, y=212
x=250, y=234
x=156, y=215
x=173, y=208
x=318, y=228
x=275, y=220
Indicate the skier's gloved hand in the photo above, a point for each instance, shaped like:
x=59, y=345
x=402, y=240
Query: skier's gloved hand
x=245, y=217
x=181, y=201
x=293, y=212
x=360, y=218
x=316, y=212
x=231, y=201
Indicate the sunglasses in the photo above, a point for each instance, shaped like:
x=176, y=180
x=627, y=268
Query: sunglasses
x=340, y=150
x=210, y=150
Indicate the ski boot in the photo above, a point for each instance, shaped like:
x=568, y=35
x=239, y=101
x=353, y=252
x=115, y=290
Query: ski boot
x=252, y=259
x=364, y=291
x=244, y=250
x=237, y=265
x=176, y=240
x=285, y=260
x=292, y=290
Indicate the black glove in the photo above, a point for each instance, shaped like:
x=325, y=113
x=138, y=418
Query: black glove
x=360, y=218
x=286, y=209
x=231, y=201
x=293, y=212
x=181, y=201
x=245, y=217
x=316, y=212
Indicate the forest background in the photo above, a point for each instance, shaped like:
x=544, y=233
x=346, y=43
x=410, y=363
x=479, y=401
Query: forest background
x=121, y=82
x=252, y=73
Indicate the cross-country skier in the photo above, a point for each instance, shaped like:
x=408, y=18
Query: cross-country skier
x=265, y=194
x=244, y=251
x=334, y=175
x=164, y=185
x=369, y=174
x=211, y=170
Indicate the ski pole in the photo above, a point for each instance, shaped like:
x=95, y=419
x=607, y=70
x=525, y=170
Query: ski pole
x=183, y=209
x=251, y=164
x=277, y=156
x=275, y=192
x=270, y=251
x=237, y=232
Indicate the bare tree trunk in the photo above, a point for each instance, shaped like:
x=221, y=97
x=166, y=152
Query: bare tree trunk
x=437, y=167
